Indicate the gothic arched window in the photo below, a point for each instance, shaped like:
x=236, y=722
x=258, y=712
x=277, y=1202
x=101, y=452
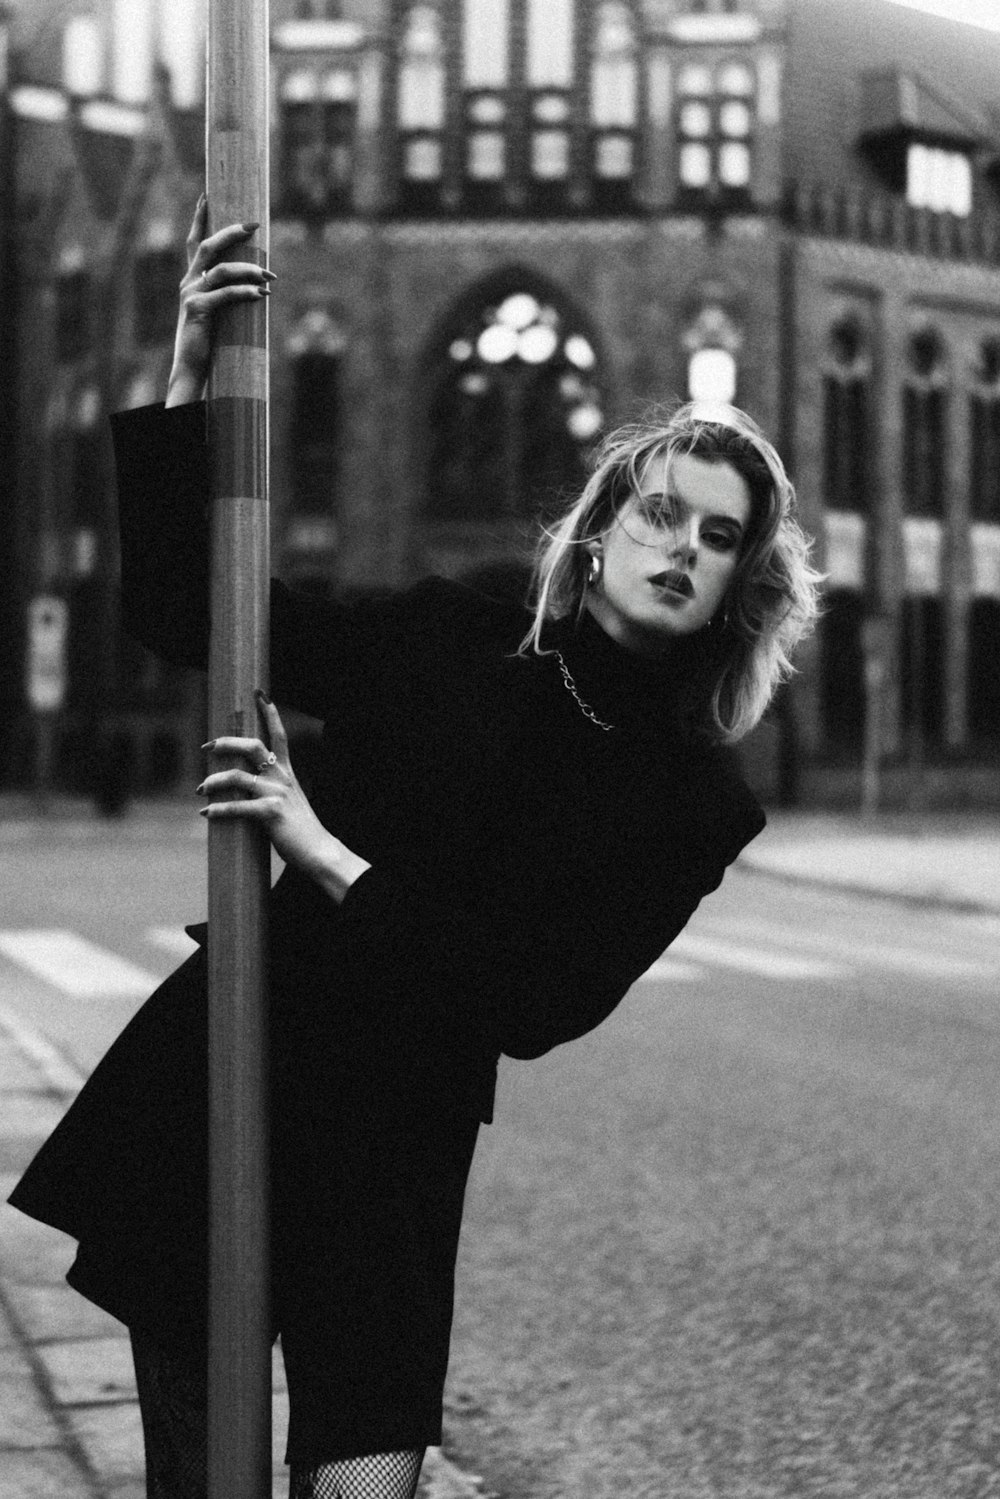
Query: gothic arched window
x=985, y=436
x=845, y=419
x=515, y=410
x=925, y=400
x=315, y=349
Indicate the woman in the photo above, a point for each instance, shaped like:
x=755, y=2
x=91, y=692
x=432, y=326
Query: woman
x=515, y=813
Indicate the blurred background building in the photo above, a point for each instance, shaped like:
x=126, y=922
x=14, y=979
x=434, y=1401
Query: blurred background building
x=502, y=226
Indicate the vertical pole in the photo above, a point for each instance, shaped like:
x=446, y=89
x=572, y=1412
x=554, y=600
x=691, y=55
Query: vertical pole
x=239, y=1434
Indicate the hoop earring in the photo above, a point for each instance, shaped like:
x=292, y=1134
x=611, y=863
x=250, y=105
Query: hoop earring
x=595, y=570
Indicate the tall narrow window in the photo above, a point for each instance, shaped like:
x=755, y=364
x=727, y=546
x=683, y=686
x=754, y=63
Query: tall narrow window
x=845, y=420
x=89, y=471
x=984, y=449
x=485, y=75
x=614, y=104
x=549, y=77
x=715, y=129
x=842, y=698
x=735, y=87
x=924, y=426
x=984, y=679
x=315, y=351
x=318, y=118
x=88, y=465
x=922, y=668
x=421, y=107
x=313, y=431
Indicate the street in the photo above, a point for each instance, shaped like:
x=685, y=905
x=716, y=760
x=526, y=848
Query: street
x=742, y=1241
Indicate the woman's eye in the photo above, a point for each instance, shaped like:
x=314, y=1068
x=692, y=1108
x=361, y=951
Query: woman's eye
x=721, y=541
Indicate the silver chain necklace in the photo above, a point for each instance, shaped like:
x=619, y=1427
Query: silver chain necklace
x=585, y=708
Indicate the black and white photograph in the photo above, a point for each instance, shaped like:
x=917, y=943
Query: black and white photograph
x=500, y=781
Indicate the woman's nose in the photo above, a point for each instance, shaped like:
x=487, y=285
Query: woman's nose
x=684, y=540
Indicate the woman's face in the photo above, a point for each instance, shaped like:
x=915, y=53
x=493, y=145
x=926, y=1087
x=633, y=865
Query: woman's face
x=660, y=579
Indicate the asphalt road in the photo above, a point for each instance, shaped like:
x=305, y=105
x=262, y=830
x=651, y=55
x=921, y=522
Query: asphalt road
x=740, y=1242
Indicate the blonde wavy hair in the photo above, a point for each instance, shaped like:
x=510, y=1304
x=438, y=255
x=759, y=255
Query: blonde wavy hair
x=737, y=662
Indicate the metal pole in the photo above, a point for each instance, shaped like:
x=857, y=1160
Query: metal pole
x=239, y=1363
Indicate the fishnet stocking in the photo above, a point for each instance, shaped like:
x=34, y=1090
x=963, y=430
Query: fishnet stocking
x=380, y=1475
x=172, y=1398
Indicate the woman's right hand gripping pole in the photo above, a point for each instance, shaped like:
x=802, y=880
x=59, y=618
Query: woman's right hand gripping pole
x=210, y=283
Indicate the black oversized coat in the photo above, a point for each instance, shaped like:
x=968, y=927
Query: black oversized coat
x=527, y=867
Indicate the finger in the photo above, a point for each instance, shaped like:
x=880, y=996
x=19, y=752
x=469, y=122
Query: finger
x=231, y=273
x=260, y=807
x=229, y=780
x=230, y=744
x=207, y=303
x=198, y=226
x=217, y=245
x=275, y=728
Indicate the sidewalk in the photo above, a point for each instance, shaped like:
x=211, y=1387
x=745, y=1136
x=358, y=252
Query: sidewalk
x=939, y=860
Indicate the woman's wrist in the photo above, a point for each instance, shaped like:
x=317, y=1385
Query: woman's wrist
x=183, y=388
x=336, y=868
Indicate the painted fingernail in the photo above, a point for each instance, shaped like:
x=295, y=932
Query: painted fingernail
x=209, y=745
x=262, y=695
x=202, y=811
x=263, y=291
x=198, y=790
x=249, y=228
x=270, y=275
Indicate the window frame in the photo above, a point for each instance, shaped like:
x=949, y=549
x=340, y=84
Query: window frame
x=715, y=139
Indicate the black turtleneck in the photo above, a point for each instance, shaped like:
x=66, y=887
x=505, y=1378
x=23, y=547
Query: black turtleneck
x=624, y=687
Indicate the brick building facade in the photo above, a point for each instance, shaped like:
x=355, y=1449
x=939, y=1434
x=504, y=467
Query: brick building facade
x=500, y=227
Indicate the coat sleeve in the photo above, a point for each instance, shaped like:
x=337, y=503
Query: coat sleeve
x=517, y=968
x=318, y=646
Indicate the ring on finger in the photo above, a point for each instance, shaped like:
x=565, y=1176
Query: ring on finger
x=204, y=279
x=270, y=759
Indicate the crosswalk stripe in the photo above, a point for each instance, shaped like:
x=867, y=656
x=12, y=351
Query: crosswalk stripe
x=61, y=1075
x=78, y=967
x=774, y=965
x=920, y=962
x=171, y=939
